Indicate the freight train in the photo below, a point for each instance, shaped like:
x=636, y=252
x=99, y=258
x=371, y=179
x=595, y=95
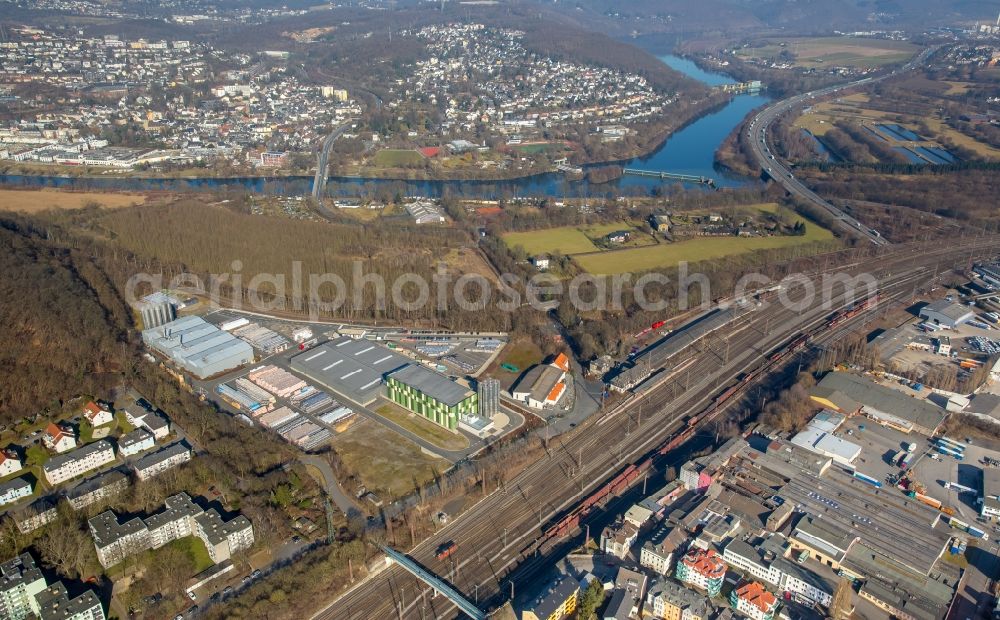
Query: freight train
x=624, y=479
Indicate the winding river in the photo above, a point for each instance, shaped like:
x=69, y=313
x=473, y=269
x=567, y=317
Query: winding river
x=688, y=151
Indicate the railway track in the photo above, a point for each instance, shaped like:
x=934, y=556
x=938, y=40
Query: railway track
x=503, y=538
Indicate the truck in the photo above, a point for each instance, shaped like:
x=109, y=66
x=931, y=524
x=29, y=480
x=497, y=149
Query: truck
x=910, y=447
x=906, y=460
x=446, y=549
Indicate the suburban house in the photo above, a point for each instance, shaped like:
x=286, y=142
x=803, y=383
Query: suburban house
x=97, y=415
x=58, y=439
x=9, y=463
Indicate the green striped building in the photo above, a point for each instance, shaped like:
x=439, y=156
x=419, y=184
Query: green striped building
x=434, y=396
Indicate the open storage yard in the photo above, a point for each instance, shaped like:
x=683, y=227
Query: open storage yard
x=821, y=52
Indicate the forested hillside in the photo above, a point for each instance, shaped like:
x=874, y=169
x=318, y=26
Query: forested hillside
x=64, y=323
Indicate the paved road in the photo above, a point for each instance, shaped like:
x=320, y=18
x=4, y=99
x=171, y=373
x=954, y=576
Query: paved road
x=781, y=173
x=343, y=501
x=499, y=539
x=323, y=160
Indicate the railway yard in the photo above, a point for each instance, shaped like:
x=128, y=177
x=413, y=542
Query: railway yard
x=514, y=533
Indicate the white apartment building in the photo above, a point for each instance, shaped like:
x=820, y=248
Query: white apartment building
x=15, y=489
x=62, y=467
x=160, y=461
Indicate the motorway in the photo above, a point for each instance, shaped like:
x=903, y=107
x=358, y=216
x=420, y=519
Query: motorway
x=499, y=539
x=780, y=172
x=323, y=160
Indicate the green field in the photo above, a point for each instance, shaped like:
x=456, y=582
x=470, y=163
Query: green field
x=195, y=549
x=394, y=158
x=667, y=255
x=818, y=52
x=566, y=239
x=532, y=149
x=570, y=240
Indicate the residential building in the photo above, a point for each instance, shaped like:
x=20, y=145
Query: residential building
x=671, y=601
x=703, y=569
x=97, y=415
x=153, y=422
x=223, y=538
x=434, y=396
x=181, y=517
x=659, y=553
x=766, y=563
x=54, y=603
x=99, y=488
x=58, y=438
x=62, y=467
x=618, y=537
x=627, y=596
x=754, y=601
x=39, y=513
x=15, y=489
x=10, y=463
x=20, y=583
x=135, y=441
x=660, y=223
x=541, y=262
x=557, y=601
x=160, y=461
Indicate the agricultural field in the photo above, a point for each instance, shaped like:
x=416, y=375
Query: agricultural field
x=395, y=158
x=571, y=240
x=822, y=52
x=666, y=255
x=397, y=465
x=566, y=239
x=539, y=147
x=33, y=201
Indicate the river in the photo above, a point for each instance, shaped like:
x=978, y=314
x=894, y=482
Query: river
x=688, y=151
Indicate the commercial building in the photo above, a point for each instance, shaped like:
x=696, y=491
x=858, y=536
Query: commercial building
x=557, y=601
x=424, y=211
x=96, y=489
x=198, y=347
x=544, y=385
x=990, y=493
x=354, y=368
x=837, y=448
x=115, y=540
x=15, y=489
x=766, y=562
x=850, y=393
x=703, y=569
x=671, y=601
x=489, y=397
x=946, y=313
x=658, y=553
x=155, y=310
x=135, y=441
x=627, y=595
x=160, y=461
x=434, y=396
x=62, y=467
x=20, y=582
x=753, y=601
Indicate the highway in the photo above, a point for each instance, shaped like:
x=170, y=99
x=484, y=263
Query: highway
x=500, y=539
x=780, y=172
x=323, y=160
